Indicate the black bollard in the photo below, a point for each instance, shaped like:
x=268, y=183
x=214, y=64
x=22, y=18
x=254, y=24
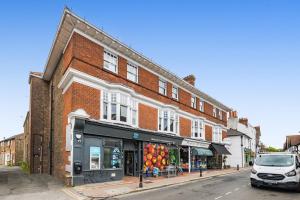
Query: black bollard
x=200, y=171
x=237, y=167
x=141, y=180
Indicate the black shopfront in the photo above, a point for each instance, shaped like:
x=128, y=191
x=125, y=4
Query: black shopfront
x=105, y=152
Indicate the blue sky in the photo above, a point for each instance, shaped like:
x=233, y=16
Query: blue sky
x=244, y=53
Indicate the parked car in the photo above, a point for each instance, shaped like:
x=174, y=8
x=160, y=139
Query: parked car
x=280, y=170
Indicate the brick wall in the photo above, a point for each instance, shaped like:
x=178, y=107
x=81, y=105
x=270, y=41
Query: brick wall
x=39, y=125
x=208, y=133
x=148, y=82
x=185, y=127
x=224, y=134
x=146, y=119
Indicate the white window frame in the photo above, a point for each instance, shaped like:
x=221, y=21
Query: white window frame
x=108, y=62
x=220, y=114
x=200, y=129
x=214, y=112
x=175, y=95
x=129, y=72
x=193, y=102
x=201, y=105
x=161, y=121
x=122, y=99
x=164, y=88
x=217, y=134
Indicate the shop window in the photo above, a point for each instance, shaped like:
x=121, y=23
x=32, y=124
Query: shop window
x=119, y=107
x=94, y=158
x=168, y=121
x=159, y=156
x=112, y=154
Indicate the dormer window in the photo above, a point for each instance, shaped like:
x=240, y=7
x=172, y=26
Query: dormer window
x=110, y=61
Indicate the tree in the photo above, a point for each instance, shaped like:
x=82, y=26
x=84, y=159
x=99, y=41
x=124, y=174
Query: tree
x=273, y=149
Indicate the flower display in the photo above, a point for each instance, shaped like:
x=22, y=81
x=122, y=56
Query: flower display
x=155, y=155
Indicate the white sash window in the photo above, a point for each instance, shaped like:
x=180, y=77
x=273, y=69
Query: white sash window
x=110, y=62
x=168, y=121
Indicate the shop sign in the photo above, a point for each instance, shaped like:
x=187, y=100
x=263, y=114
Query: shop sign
x=136, y=136
x=193, y=143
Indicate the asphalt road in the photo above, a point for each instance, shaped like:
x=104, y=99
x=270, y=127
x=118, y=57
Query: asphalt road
x=229, y=187
x=16, y=185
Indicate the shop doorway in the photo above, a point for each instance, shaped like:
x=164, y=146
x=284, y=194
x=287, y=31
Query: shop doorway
x=129, y=163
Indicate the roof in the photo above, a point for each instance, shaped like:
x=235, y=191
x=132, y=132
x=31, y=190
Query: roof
x=293, y=140
x=233, y=132
x=71, y=22
x=12, y=137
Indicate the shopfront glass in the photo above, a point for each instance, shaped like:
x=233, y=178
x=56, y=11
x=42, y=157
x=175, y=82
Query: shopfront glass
x=159, y=156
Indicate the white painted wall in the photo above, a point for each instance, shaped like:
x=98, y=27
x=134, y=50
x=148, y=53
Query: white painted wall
x=235, y=149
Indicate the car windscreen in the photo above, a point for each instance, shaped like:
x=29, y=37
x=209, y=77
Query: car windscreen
x=275, y=160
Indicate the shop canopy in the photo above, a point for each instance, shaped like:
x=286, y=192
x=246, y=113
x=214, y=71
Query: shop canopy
x=201, y=152
x=220, y=149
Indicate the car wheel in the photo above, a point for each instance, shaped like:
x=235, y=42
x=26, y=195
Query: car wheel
x=254, y=185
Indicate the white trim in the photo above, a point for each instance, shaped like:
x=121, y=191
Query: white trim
x=75, y=30
x=72, y=75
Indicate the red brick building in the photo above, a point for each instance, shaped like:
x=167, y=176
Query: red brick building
x=12, y=150
x=101, y=110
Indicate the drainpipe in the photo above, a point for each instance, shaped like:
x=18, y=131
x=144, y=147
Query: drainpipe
x=51, y=130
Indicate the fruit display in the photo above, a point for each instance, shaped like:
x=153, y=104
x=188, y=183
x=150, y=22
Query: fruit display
x=155, y=155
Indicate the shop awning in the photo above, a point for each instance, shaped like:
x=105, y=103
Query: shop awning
x=201, y=152
x=220, y=149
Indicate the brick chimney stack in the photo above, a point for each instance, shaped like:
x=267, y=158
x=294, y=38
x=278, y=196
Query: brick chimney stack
x=190, y=79
x=244, y=121
x=233, y=114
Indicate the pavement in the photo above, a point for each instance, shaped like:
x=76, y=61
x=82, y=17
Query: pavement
x=130, y=184
x=227, y=187
x=16, y=185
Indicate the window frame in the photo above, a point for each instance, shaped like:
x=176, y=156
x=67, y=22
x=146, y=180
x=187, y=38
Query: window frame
x=165, y=86
x=111, y=55
x=128, y=101
x=161, y=121
x=214, y=112
x=194, y=102
x=201, y=105
x=177, y=96
x=137, y=72
x=200, y=129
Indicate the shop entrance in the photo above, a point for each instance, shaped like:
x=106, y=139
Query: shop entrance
x=129, y=163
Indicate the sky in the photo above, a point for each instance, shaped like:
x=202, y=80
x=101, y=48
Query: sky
x=245, y=54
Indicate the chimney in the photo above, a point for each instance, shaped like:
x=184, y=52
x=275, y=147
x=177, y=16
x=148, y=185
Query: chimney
x=190, y=79
x=244, y=121
x=233, y=114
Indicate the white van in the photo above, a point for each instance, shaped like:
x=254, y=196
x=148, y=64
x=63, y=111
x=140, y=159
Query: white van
x=280, y=170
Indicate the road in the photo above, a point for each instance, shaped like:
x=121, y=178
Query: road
x=15, y=185
x=229, y=187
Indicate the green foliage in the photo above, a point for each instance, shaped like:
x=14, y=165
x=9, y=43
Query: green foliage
x=25, y=167
x=273, y=149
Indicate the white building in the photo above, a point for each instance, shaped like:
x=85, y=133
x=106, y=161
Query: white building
x=242, y=137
